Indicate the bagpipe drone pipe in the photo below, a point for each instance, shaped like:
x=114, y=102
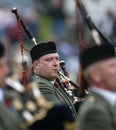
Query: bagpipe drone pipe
x=98, y=37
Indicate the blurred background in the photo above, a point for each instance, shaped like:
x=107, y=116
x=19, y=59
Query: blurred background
x=54, y=20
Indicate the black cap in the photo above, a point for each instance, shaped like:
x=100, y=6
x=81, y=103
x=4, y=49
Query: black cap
x=2, y=50
x=96, y=54
x=42, y=49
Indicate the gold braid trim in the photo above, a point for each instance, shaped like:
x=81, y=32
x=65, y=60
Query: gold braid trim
x=70, y=126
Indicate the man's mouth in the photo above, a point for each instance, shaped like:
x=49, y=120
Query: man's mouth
x=56, y=70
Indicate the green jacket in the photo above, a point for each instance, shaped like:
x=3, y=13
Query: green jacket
x=7, y=120
x=55, y=94
x=96, y=114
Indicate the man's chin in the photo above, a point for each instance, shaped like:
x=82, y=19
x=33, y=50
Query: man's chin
x=54, y=77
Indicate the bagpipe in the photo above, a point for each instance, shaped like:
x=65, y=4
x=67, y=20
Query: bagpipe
x=70, y=87
x=35, y=107
x=68, y=84
x=98, y=37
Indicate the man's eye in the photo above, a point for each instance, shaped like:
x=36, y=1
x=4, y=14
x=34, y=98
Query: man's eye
x=48, y=59
x=51, y=59
x=57, y=59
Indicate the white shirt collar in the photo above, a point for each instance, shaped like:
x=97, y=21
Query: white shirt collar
x=108, y=95
x=52, y=82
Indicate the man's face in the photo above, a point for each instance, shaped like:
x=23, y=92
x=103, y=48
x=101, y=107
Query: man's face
x=47, y=66
x=107, y=71
x=4, y=70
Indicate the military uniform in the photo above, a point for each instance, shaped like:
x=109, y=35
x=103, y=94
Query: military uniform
x=97, y=113
x=51, y=93
x=55, y=94
x=7, y=120
x=9, y=117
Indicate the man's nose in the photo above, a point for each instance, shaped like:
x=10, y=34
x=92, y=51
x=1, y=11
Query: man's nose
x=56, y=61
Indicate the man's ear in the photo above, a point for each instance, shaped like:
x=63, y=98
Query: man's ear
x=36, y=64
x=95, y=75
